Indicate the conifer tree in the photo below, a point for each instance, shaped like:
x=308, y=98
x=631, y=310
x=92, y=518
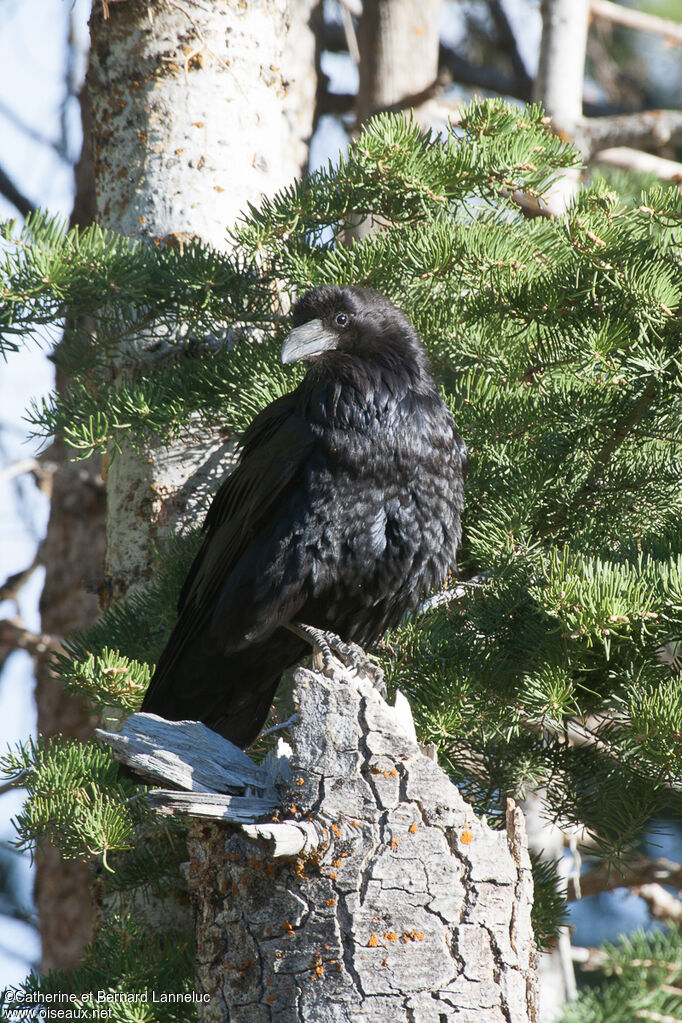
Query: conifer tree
x=552, y=659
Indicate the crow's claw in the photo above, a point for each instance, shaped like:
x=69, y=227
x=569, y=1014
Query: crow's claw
x=350, y=654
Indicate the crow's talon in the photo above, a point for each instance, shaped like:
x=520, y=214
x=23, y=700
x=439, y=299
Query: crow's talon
x=350, y=654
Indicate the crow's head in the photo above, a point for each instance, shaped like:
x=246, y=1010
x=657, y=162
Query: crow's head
x=352, y=321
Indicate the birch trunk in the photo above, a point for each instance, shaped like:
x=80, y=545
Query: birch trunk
x=559, y=82
x=559, y=87
x=398, y=43
x=198, y=109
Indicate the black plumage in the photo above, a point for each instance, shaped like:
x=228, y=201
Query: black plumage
x=343, y=510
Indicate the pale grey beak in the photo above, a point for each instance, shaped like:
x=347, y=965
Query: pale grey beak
x=307, y=341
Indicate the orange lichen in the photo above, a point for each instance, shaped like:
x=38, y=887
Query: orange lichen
x=413, y=828
x=300, y=781
x=373, y=941
x=466, y=837
x=390, y=936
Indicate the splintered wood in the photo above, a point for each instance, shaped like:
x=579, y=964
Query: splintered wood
x=401, y=906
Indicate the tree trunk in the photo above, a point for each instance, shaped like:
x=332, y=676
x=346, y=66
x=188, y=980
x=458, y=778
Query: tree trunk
x=380, y=897
x=559, y=82
x=398, y=43
x=198, y=109
x=559, y=87
x=409, y=908
x=398, y=46
x=73, y=555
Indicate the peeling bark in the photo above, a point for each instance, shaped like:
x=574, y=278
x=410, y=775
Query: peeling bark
x=409, y=909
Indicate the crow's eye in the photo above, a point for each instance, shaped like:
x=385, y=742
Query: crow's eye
x=342, y=320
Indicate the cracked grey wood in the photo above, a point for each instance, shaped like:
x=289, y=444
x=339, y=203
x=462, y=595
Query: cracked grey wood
x=409, y=910
x=185, y=754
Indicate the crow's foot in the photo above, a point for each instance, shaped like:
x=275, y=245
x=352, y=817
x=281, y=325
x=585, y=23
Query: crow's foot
x=350, y=654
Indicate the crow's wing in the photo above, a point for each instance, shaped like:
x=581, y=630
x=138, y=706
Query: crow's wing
x=275, y=449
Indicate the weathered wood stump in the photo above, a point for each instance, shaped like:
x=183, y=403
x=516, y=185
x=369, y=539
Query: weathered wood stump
x=401, y=906
x=372, y=895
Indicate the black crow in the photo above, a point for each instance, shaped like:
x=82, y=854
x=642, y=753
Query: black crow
x=342, y=512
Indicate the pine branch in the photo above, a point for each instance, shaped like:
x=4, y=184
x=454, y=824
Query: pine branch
x=621, y=433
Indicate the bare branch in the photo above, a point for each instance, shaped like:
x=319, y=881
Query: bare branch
x=42, y=471
x=649, y=129
x=643, y=163
x=619, y=15
x=12, y=586
x=488, y=78
x=662, y=905
x=13, y=195
x=9, y=786
x=350, y=33
x=635, y=872
x=15, y=636
x=507, y=39
x=31, y=133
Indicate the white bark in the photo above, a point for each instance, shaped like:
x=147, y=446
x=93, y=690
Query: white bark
x=561, y=68
x=556, y=974
x=559, y=81
x=643, y=163
x=198, y=109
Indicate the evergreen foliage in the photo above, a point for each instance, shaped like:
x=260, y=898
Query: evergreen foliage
x=73, y=796
x=125, y=961
x=641, y=979
x=556, y=342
